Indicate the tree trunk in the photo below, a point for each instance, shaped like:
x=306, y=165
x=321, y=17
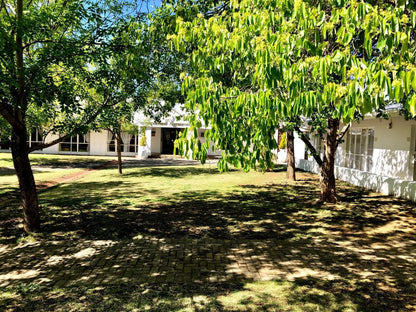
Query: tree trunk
x=119, y=164
x=327, y=179
x=26, y=180
x=290, y=142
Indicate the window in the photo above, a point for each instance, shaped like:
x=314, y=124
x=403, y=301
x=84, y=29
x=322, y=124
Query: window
x=133, y=144
x=153, y=132
x=35, y=138
x=77, y=143
x=317, y=143
x=202, y=134
x=129, y=143
x=359, y=149
x=112, y=144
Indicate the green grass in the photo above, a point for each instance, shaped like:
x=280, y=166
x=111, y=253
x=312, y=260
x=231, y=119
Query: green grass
x=357, y=255
x=45, y=168
x=57, y=161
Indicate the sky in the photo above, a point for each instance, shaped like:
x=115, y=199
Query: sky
x=150, y=5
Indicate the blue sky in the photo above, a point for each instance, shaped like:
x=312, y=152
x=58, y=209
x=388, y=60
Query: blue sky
x=150, y=5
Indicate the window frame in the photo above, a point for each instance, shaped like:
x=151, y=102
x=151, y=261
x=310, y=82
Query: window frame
x=38, y=138
x=359, y=149
x=135, y=146
x=74, y=141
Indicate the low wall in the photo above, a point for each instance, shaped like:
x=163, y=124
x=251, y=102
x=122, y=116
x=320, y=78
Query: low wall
x=378, y=183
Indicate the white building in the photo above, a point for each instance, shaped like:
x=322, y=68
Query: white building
x=160, y=139
x=93, y=143
x=377, y=154
x=160, y=136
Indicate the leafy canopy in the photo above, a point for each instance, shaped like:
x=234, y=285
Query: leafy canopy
x=261, y=62
x=59, y=42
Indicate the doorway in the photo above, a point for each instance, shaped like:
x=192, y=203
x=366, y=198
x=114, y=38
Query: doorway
x=169, y=135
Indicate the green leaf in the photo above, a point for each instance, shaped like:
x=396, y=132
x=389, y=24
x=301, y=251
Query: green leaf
x=413, y=19
x=323, y=71
x=412, y=105
x=398, y=93
x=381, y=43
x=337, y=56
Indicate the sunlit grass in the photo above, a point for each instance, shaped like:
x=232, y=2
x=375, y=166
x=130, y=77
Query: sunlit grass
x=55, y=160
x=45, y=168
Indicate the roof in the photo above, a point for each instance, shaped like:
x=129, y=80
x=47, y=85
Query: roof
x=175, y=118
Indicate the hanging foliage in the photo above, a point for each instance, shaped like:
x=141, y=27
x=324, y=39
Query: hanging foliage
x=260, y=62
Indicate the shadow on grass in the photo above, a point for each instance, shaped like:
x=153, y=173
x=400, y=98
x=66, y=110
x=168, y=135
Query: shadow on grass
x=67, y=162
x=174, y=168
x=116, y=252
x=7, y=172
x=174, y=172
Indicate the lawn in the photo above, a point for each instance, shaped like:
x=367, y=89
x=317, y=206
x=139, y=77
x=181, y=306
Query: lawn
x=192, y=239
x=45, y=168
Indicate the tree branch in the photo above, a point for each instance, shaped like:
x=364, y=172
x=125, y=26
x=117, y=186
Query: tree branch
x=343, y=132
x=46, y=145
x=89, y=120
x=27, y=45
x=310, y=146
x=5, y=7
x=7, y=112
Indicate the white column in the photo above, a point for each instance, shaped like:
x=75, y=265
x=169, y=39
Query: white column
x=143, y=150
x=138, y=142
x=148, y=134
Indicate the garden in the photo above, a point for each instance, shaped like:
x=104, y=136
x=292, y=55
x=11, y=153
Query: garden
x=189, y=238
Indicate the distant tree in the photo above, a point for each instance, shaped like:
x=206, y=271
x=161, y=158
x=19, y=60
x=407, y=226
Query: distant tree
x=123, y=81
x=260, y=62
x=118, y=119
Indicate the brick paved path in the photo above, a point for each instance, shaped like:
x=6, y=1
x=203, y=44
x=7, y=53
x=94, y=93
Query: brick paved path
x=64, y=263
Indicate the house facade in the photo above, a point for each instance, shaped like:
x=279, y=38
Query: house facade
x=160, y=138
x=93, y=143
x=161, y=135
x=376, y=153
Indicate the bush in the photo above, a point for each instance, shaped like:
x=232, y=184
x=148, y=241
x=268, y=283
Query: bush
x=283, y=141
x=142, y=141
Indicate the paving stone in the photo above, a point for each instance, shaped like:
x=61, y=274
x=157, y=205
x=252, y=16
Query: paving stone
x=171, y=261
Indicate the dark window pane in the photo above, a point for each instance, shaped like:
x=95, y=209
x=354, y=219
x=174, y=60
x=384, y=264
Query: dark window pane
x=83, y=147
x=65, y=147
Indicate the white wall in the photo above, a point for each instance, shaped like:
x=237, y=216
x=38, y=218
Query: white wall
x=98, y=143
x=392, y=154
x=211, y=151
x=54, y=149
x=378, y=183
x=156, y=145
x=98, y=146
x=393, y=165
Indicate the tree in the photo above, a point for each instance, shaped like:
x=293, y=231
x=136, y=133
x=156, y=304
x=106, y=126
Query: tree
x=123, y=80
x=267, y=61
x=45, y=51
x=290, y=173
x=118, y=119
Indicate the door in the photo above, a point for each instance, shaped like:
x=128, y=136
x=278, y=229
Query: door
x=169, y=135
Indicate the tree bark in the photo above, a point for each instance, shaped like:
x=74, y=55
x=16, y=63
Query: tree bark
x=19, y=147
x=119, y=164
x=27, y=184
x=290, y=173
x=327, y=179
